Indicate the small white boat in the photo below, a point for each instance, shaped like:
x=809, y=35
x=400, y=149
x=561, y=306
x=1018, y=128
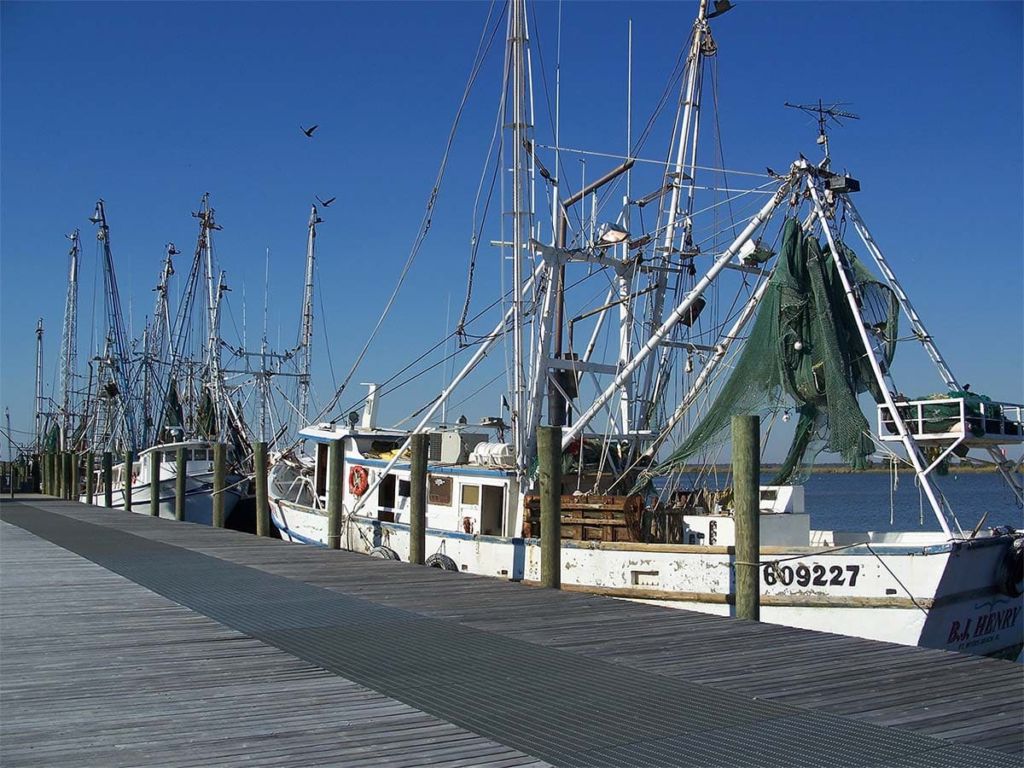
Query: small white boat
x=198, y=482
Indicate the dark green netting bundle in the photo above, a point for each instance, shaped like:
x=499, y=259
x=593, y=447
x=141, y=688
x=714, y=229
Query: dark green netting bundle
x=805, y=348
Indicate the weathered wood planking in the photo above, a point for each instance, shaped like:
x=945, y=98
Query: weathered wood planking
x=98, y=671
x=963, y=699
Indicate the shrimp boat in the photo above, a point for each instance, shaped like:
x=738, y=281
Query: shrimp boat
x=728, y=300
x=198, y=482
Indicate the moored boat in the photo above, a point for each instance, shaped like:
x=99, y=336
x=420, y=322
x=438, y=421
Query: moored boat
x=781, y=316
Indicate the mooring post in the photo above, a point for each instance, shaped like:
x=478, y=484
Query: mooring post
x=108, y=479
x=418, y=499
x=259, y=464
x=128, y=478
x=549, y=458
x=154, y=482
x=746, y=483
x=335, y=489
x=179, y=484
x=90, y=477
x=75, y=461
x=48, y=473
x=66, y=461
x=58, y=474
x=219, y=478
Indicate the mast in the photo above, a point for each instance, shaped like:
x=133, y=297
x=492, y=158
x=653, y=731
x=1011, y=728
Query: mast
x=515, y=155
x=39, y=385
x=69, y=344
x=675, y=176
x=155, y=348
x=181, y=370
x=214, y=291
x=306, y=334
x=116, y=339
x=10, y=447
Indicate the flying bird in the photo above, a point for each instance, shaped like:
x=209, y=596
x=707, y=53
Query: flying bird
x=324, y=203
x=309, y=131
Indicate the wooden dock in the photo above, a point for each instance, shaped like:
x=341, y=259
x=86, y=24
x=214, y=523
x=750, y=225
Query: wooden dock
x=131, y=640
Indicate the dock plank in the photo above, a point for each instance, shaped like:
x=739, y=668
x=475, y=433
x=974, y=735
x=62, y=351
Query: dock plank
x=519, y=674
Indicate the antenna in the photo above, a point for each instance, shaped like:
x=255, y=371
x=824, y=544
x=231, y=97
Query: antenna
x=824, y=114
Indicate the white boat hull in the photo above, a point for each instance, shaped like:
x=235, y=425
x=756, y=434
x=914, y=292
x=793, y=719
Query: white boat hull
x=937, y=595
x=198, y=498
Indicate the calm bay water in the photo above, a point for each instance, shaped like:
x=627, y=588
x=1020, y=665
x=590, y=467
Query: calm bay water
x=862, y=501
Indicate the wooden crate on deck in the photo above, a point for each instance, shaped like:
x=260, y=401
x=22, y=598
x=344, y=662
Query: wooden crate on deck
x=592, y=517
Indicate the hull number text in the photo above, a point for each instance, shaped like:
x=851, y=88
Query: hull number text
x=811, y=575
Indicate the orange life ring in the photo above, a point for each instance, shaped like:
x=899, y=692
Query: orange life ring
x=358, y=480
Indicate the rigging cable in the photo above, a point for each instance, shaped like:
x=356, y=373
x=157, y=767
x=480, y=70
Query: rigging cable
x=427, y=214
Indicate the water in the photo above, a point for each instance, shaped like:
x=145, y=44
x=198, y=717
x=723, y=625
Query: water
x=861, y=502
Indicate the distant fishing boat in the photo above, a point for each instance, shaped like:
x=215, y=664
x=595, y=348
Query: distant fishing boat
x=724, y=301
x=198, y=482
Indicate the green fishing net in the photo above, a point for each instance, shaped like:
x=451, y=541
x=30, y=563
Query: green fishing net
x=805, y=351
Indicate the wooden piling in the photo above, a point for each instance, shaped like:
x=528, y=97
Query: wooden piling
x=44, y=463
x=154, y=482
x=259, y=463
x=746, y=482
x=67, y=460
x=179, y=484
x=335, y=489
x=128, y=479
x=418, y=499
x=75, y=466
x=219, y=481
x=90, y=478
x=108, y=479
x=549, y=458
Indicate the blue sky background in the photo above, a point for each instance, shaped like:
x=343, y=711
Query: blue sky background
x=149, y=105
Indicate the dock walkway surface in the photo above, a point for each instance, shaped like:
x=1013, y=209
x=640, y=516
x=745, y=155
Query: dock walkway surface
x=131, y=640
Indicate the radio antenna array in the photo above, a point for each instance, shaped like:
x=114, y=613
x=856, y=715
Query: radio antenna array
x=824, y=115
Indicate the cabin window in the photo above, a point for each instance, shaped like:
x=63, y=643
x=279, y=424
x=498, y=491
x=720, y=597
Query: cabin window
x=439, y=490
x=404, y=488
x=386, y=492
x=471, y=495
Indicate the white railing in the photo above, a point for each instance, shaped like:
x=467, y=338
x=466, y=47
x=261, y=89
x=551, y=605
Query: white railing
x=952, y=418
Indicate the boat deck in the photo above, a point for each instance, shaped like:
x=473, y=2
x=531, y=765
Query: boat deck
x=130, y=640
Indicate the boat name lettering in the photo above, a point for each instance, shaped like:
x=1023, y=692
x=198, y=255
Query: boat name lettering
x=985, y=624
x=813, y=574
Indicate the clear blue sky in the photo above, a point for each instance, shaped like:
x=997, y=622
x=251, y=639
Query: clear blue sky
x=149, y=105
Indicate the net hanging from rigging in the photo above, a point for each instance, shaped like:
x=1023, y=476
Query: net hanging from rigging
x=805, y=347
